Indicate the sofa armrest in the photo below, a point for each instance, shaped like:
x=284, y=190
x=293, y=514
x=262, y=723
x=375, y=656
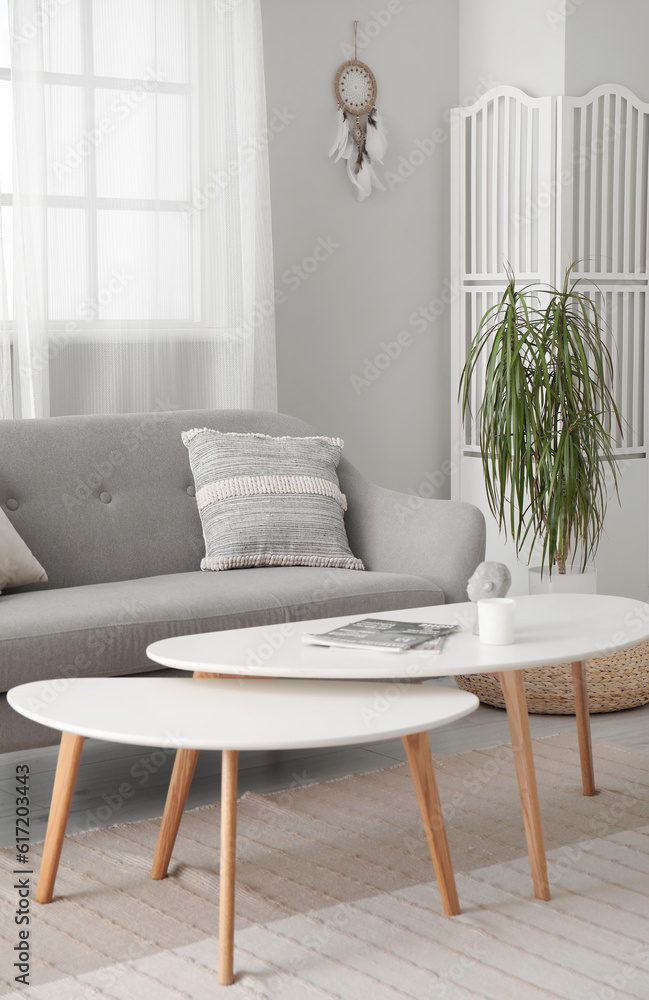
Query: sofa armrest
x=440, y=540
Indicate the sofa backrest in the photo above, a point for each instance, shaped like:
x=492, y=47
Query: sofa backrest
x=103, y=498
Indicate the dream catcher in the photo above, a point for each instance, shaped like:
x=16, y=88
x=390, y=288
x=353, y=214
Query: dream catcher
x=360, y=138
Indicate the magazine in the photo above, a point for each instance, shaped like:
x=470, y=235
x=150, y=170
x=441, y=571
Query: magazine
x=383, y=634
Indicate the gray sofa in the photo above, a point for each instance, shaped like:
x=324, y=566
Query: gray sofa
x=107, y=505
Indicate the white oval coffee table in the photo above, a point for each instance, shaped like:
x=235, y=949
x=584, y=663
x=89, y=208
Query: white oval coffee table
x=548, y=629
x=230, y=716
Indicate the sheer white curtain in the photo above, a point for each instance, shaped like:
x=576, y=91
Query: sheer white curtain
x=141, y=251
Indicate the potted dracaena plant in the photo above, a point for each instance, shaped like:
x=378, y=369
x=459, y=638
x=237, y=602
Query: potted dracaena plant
x=546, y=421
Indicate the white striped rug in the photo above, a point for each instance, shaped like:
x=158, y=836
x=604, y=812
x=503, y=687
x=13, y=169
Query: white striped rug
x=336, y=895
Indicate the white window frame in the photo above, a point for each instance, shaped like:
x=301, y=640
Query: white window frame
x=92, y=204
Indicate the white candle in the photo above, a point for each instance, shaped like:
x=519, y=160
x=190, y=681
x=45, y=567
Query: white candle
x=496, y=620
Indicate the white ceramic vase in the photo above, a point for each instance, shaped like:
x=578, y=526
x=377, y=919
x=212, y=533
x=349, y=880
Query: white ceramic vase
x=570, y=582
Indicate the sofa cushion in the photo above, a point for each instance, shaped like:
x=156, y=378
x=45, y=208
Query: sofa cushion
x=124, y=492
x=104, y=629
x=17, y=563
x=269, y=501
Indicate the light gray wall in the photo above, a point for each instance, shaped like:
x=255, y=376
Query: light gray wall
x=606, y=42
x=391, y=257
x=555, y=46
x=515, y=42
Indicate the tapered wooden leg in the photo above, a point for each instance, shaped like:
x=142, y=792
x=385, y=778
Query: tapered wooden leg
x=66, y=775
x=511, y=682
x=227, y=864
x=423, y=777
x=580, y=688
x=181, y=779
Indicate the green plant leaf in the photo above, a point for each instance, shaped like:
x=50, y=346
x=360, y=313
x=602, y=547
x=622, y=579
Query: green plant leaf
x=547, y=419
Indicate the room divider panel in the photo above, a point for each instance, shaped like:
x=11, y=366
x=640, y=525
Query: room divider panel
x=538, y=183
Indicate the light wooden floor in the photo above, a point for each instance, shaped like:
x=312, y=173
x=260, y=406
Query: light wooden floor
x=119, y=784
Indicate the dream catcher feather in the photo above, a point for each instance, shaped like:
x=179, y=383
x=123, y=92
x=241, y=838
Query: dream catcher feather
x=360, y=136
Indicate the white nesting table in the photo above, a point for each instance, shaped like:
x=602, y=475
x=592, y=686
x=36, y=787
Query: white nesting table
x=549, y=629
x=230, y=716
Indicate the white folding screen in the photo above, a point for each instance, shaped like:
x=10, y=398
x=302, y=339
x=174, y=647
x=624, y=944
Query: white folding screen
x=536, y=184
x=602, y=222
x=500, y=219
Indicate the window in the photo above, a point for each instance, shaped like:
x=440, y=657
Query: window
x=116, y=87
x=140, y=204
x=6, y=153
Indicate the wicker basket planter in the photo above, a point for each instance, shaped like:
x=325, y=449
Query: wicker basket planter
x=618, y=681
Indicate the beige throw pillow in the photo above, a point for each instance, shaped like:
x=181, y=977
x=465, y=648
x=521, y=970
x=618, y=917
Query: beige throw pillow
x=17, y=564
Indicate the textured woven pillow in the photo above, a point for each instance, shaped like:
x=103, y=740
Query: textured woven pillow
x=269, y=501
x=17, y=564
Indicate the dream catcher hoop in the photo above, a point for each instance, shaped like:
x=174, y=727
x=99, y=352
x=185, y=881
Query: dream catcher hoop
x=360, y=138
x=355, y=87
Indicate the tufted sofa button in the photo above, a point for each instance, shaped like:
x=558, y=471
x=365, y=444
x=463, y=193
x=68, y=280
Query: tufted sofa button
x=105, y=497
x=191, y=491
x=12, y=504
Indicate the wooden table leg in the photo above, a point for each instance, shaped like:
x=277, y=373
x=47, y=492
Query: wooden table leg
x=227, y=864
x=511, y=682
x=417, y=747
x=64, y=780
x=580, y=688
x=181, y=779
